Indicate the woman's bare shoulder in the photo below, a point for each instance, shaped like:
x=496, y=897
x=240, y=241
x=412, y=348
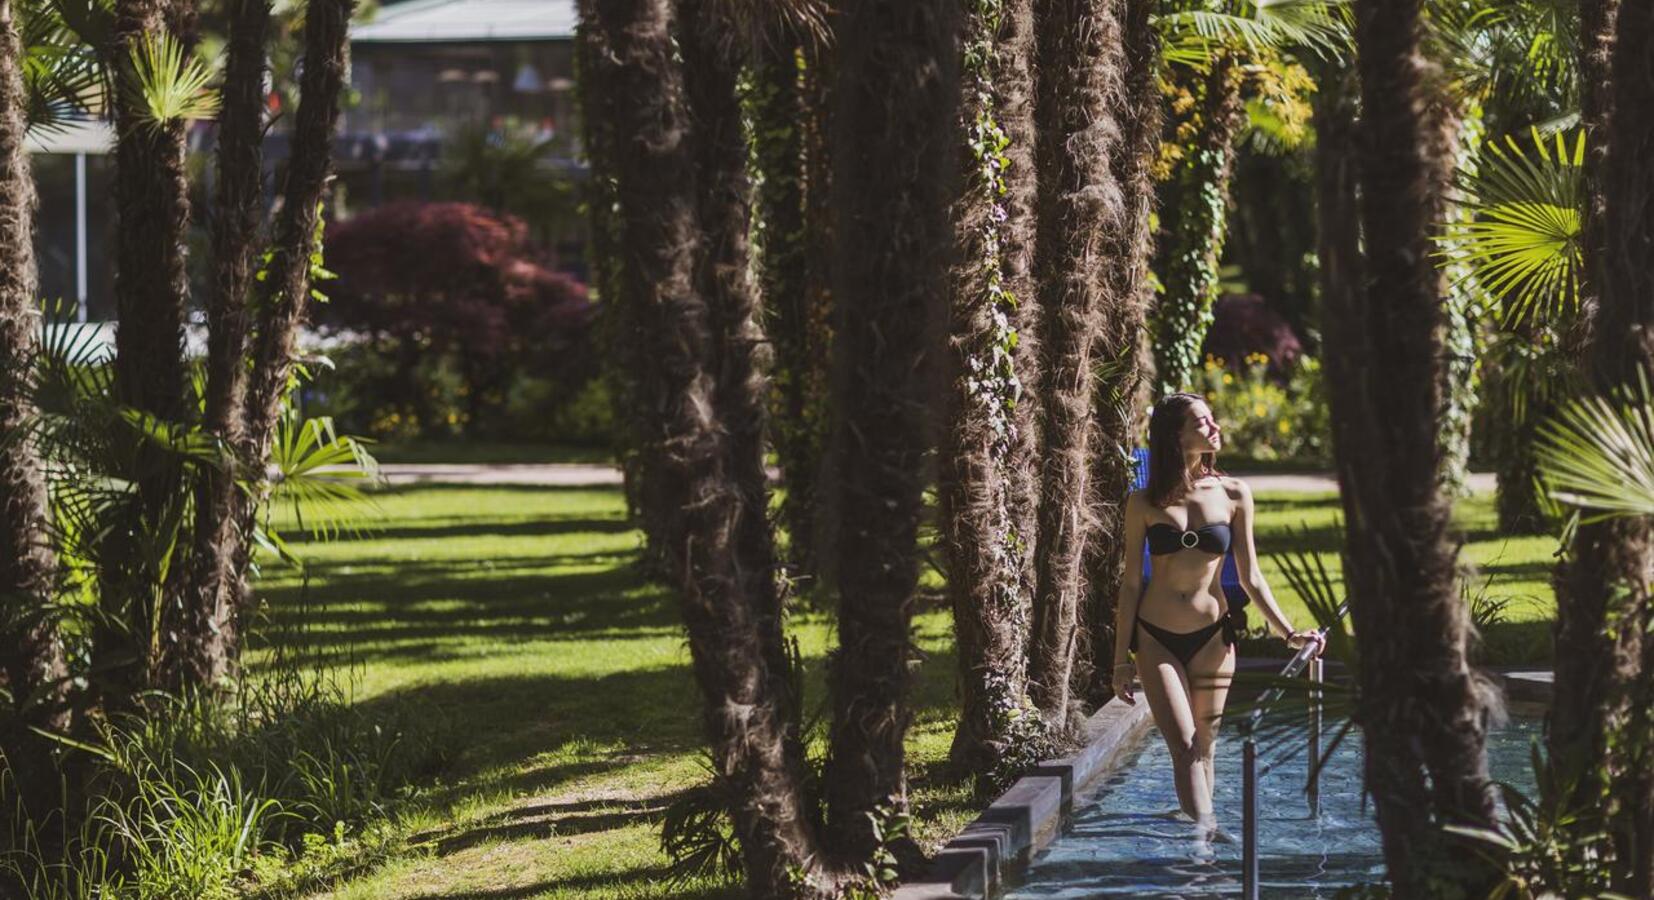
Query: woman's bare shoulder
x=1237, y=489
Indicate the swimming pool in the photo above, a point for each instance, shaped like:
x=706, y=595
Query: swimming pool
x=1122, y=844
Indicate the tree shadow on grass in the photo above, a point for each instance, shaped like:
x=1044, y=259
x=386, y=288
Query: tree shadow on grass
x=476, y=526
x=656, y=876
x=392, y=610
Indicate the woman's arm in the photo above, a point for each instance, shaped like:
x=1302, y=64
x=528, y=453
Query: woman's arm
x=1251, y=574
x=1131, y=585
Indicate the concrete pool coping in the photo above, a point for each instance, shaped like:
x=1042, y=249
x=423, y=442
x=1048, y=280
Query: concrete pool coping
x=1024, y=820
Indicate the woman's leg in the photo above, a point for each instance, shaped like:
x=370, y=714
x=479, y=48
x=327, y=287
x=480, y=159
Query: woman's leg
x=1167, y=690
x=1212, y=670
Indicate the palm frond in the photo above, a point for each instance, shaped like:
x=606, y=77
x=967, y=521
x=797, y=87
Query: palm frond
x=168, y=83
x=1190, y=37
x=1521, y=242
x=322, y=474
x=63, y=77
x=1597, y=453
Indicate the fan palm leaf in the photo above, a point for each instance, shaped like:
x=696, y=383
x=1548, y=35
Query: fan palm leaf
x=1191, y=37
x=1520, y=244
x=168, y=83
x=1597, y=453
x=322, y=474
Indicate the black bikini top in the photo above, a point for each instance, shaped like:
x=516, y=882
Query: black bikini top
x=1213, y=539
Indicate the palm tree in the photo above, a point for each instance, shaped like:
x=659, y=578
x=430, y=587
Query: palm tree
x=1605, y=657
x=1211, y=46
x=214, y=589
x=31, y=656
x=782, y=63
x=1196, y=226
x=151, y=295
x=1080, y=58
x=1421, y=709
x=676, y=152
x=896, y=96
x=1119, y=406
x=988, y=436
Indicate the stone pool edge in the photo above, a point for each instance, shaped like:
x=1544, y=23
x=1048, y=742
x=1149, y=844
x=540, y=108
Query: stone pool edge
x=1028, y=816
x=1022, y=821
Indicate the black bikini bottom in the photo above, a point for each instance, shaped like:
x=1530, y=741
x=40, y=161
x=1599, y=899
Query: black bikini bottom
x=1184, y=645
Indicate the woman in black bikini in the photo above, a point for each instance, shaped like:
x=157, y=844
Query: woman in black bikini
x=1191, y=515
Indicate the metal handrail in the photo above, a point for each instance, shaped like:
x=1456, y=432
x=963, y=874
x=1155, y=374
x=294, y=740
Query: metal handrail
x=1305, y=658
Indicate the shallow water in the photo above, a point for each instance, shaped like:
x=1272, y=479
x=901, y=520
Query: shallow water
x=1122, y=844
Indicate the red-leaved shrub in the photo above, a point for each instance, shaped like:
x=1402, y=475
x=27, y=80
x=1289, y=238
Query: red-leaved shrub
x=437, y=291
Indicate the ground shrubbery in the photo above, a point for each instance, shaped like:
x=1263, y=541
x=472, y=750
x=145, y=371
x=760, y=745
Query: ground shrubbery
x=283, y=786
x=442, y=323
x=1267, y=419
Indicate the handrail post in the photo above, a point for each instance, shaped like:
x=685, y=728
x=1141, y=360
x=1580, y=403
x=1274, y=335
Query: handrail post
x=1314, y=787
x=1249, y=819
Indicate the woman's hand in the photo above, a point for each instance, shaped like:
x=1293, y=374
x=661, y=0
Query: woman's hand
x=1123, y=674
x=1297, y=640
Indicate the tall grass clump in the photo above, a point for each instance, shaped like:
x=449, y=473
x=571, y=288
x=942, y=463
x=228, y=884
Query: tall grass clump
x=206, y=797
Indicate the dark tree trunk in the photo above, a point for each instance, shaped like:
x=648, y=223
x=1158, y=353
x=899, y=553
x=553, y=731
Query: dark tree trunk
x=32, y=666
x=1081, y=64
x=1602, y=722
x=212, y=593
x=1421, y=708
x=1197, y=224
x=249, y=407
x=893, y=163
x=987, y=440
x=779, y=133
x=151, y=294
x=1118, y=366
x=628, y=369
x=699, y=319
x=1517, y=501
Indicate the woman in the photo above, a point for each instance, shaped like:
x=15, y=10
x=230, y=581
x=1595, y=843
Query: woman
x=1191, y=515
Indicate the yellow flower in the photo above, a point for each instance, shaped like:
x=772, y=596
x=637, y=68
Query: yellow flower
x=1228, y=379
x=1284, y=427
x=1260, y=410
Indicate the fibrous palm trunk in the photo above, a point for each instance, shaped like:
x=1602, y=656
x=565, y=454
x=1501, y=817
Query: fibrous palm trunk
x=31, y=656
x=1421, y=709
x=780, y=135
x=892, y=150
x=1080, y=62
x=1602, y=722
x=988, y=439
x=1118, y=348
x=207, y=625
x=621, y=329
x=1196, y=226
x=151, y=294
x=677, y=159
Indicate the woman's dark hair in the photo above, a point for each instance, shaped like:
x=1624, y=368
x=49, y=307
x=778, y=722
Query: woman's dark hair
x=1168, y=476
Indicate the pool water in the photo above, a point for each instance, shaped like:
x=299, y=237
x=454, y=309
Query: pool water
x=1123, y=844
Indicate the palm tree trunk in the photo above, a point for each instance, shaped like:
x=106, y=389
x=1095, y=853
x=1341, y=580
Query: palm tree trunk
x=1196, y=227
x=1421, y=708
x=896, y=98
x=212, y=593
x=779, y=146
x=151, y=294
x=1601, y=721
x=986, y=439
x=32, y=667
x=699, y=321
x=226, y=550
x=1117, y=353
x=622, y=328
x=1081, y=62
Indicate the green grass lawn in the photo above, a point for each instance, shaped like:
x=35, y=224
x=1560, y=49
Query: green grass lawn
x=515, y=615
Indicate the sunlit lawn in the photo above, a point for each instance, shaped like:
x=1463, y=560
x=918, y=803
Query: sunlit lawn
x=517, y=617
